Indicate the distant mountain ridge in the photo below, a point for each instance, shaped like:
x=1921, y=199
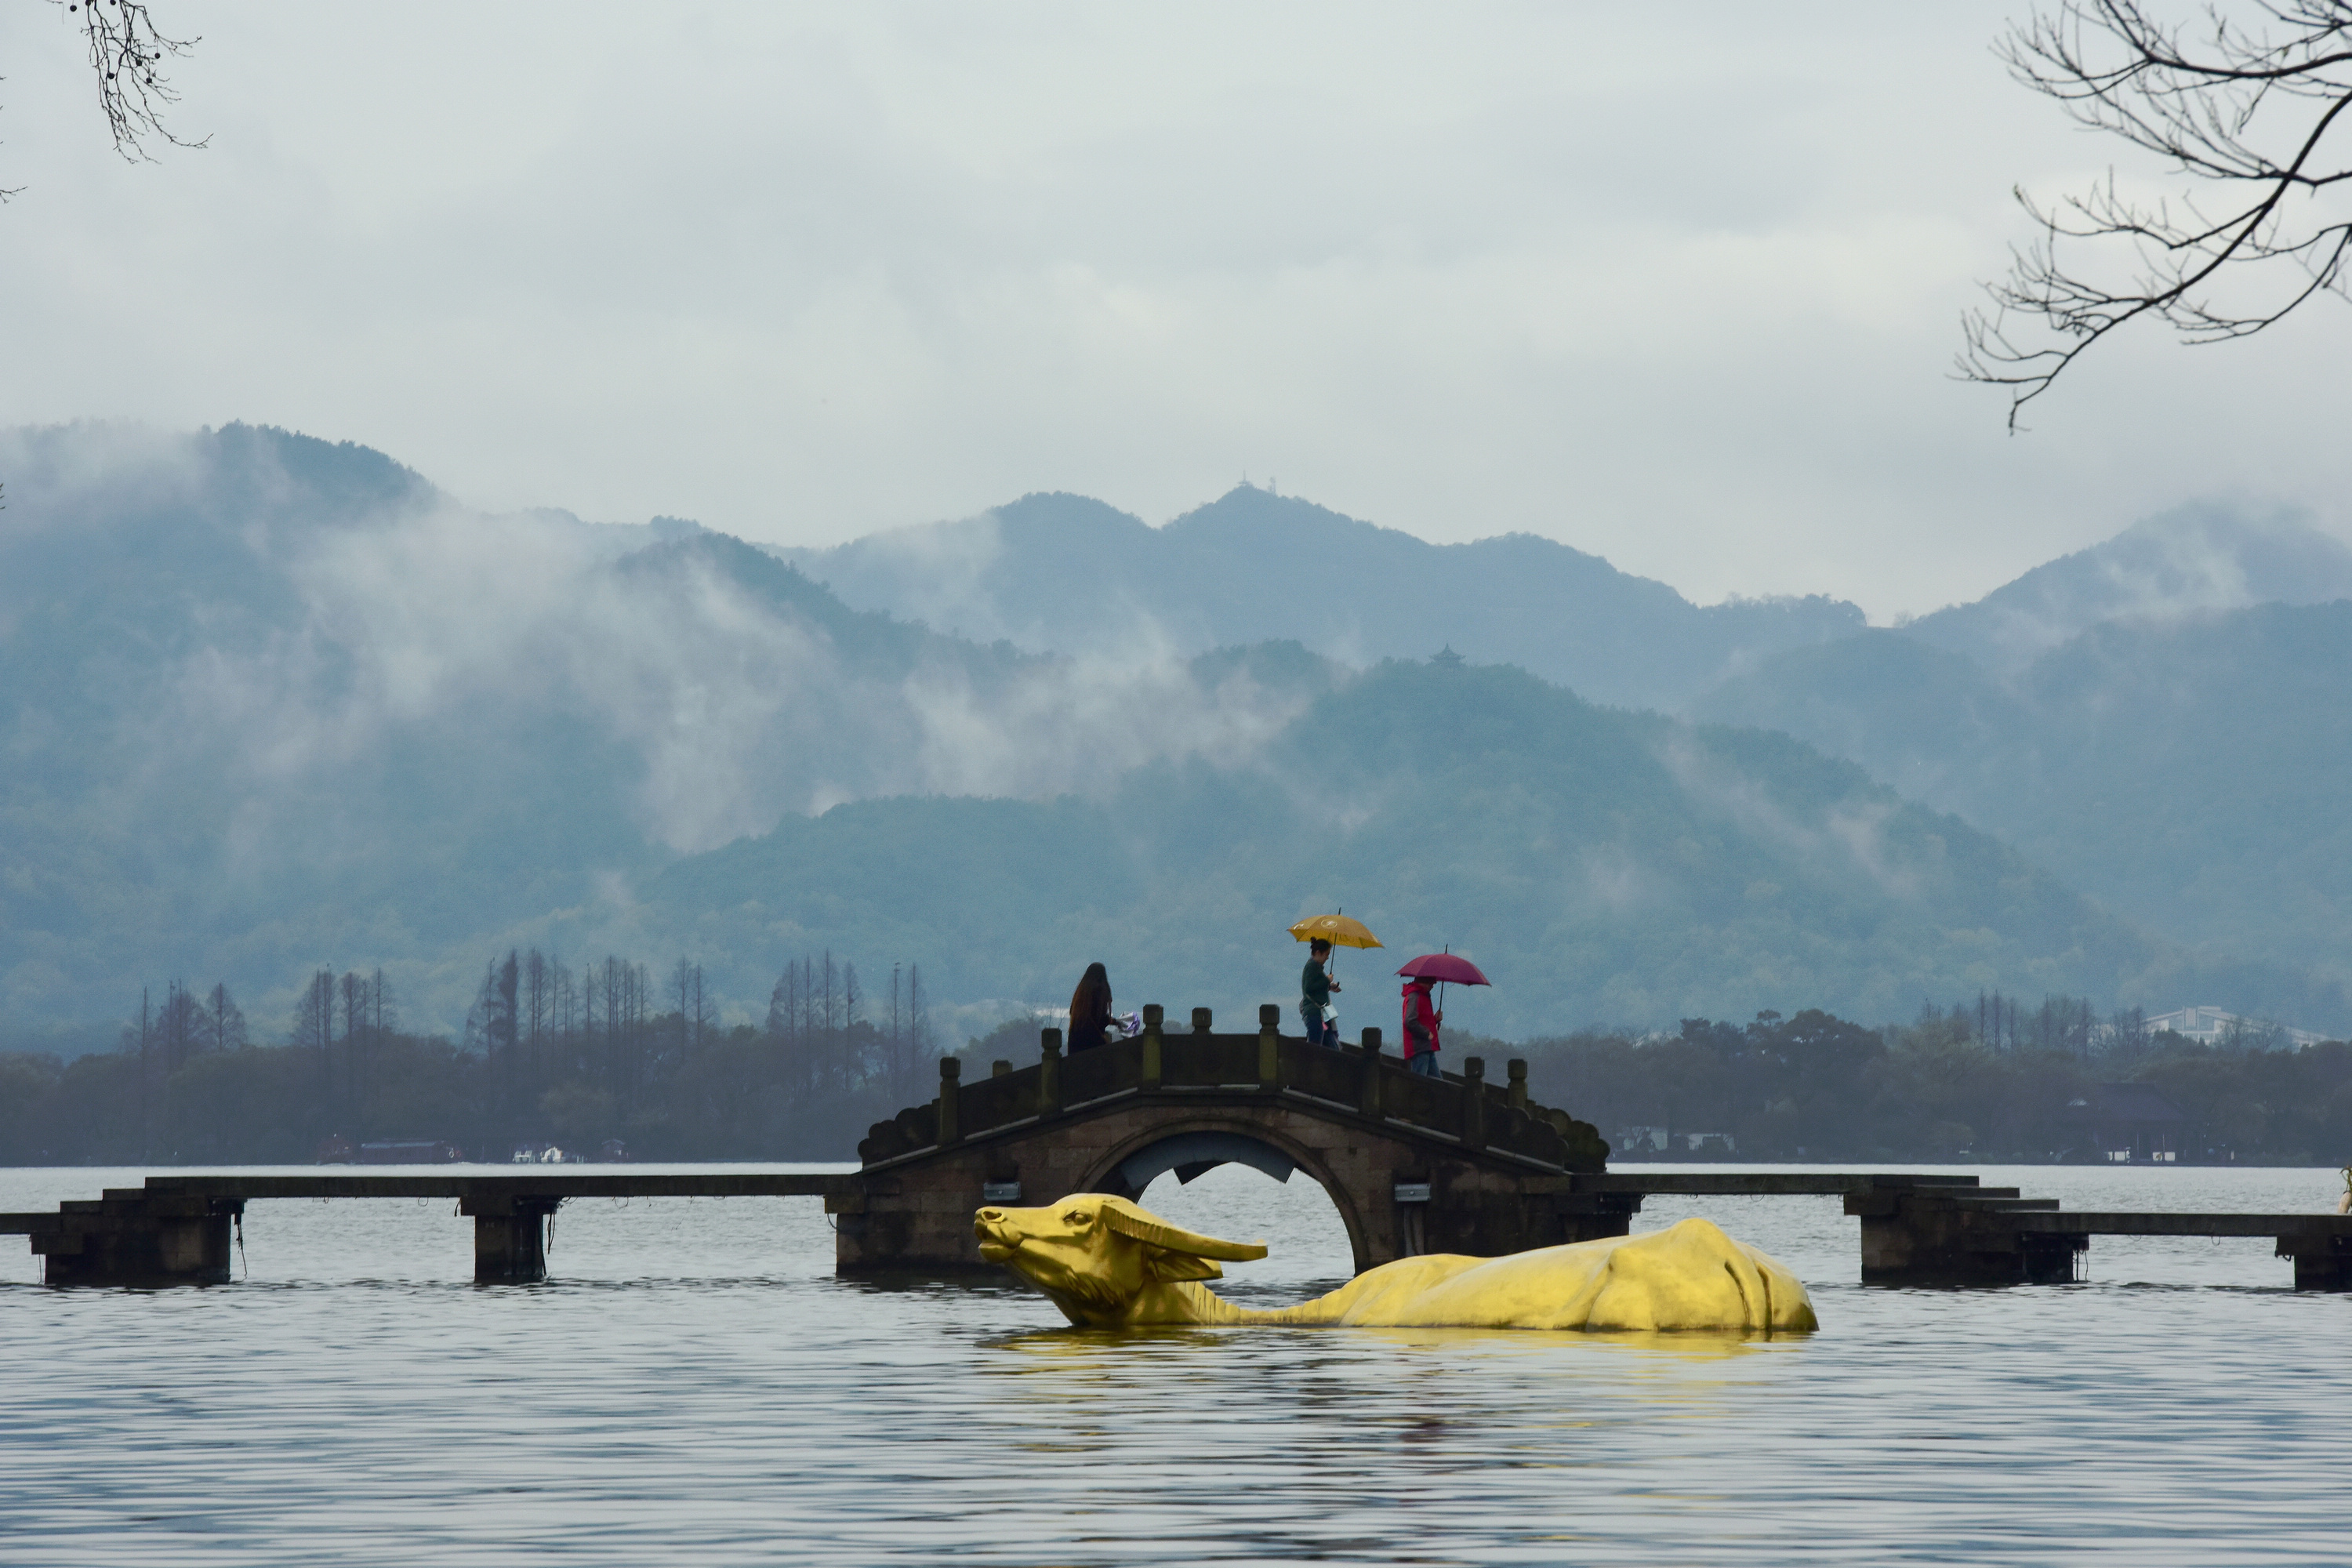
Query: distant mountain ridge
x=2187, y=772
x=1068, y=573
x=2197, y=560
x=269, y=703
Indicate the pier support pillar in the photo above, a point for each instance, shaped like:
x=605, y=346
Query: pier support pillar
x=509, y=1237
x=1596, y=1216
x=2321, y=1262
x=131, y=1239
x=1927, y=1237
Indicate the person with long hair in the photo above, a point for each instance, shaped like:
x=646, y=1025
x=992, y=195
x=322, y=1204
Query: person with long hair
x=1090, y=1013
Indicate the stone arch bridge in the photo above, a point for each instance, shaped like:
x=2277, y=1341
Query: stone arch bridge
x=1413, y=1163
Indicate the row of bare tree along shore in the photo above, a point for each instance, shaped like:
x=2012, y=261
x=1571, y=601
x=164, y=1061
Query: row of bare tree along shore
x=550, y=1056
x=575, y=1059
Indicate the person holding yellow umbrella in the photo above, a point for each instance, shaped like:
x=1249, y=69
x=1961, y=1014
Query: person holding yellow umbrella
x=1319, y=932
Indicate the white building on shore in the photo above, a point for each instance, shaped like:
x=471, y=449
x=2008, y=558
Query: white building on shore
x=2210, y=1025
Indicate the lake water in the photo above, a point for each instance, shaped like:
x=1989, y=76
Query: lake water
x=694, y=1385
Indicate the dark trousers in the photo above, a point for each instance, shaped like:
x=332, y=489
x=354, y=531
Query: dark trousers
x=1320, y=1031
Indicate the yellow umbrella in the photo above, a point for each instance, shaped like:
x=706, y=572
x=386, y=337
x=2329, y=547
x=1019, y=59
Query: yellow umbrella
x=1339, y=930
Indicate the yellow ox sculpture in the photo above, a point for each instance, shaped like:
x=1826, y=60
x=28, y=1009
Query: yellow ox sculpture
x=1108, y=1264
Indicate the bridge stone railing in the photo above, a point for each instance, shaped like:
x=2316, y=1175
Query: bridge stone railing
x=1463, y=1108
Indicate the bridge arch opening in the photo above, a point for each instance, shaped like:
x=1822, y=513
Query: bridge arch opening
x=1245, y=1188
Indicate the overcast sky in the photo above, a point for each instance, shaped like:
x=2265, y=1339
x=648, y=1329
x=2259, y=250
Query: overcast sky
x=1678, y=285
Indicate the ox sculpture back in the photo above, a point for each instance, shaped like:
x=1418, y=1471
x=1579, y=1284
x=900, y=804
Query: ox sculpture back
x=1107, y=1263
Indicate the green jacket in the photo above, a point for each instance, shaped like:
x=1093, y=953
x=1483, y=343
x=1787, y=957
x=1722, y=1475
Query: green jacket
x=1315, y=986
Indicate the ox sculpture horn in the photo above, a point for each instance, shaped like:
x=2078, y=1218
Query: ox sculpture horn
x=1128, y=1220
x=1107, y=1263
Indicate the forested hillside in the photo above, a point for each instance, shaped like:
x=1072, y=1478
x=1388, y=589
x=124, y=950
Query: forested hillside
x=275, y=707
x=2196, y=560
x=270, y=703
x=2187, y=772
x=1599, y=865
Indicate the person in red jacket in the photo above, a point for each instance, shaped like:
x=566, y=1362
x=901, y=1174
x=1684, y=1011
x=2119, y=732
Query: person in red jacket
x=1421, y=1021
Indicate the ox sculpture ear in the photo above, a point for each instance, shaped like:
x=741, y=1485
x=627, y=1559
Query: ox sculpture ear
x=1171, y=1253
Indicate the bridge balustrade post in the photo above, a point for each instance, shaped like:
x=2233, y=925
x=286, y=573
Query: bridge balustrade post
x=1369, y=1095
x=1269, y=1048
x=1474, y=1102
x=1154, y=1014
x=950, y=1091
x=1201, y=1018
x=1049, y=1072
x=1518, y=1079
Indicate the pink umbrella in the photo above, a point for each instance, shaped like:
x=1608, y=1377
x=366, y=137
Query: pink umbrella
x=1443, y=968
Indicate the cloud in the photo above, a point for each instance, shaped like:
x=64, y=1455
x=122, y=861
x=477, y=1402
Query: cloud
x=1846, y=839
x=459, y=633
x=1676, y=286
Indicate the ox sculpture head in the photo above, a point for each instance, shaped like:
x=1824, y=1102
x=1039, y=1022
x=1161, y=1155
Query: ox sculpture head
x=1100, y=1258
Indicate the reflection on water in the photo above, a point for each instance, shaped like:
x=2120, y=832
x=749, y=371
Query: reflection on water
x=694, y=1384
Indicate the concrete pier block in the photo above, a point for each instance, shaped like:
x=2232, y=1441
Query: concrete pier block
x=509, y=1237
x=132, y=1239
x=1927, y=1237
x=2321, y=1263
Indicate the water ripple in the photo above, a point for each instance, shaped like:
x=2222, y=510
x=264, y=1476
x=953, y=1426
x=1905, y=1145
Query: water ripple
x=696, y=1385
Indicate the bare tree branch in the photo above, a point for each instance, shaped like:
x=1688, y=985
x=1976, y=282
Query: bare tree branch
x=127, y=51
x=2249, y=110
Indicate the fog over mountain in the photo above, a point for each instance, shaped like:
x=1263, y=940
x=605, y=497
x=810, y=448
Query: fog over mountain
x=1074, y=575
x=1600, y=865
x=2192, y=561
x=2134, y=718
x=270, y=704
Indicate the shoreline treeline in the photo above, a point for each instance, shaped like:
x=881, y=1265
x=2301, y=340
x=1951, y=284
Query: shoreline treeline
x=1816, y=1088
x=551, y=1055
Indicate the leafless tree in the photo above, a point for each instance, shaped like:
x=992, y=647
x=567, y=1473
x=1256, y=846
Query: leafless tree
x=537, y=1004
x=127, y=52
x=919, y=1019
x=225, y=1019
x=2247, y=105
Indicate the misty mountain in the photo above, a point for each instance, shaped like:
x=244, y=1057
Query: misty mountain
x=1070, y=575
x=2186, y=770
x=2191, y=560
x=1598, y=864
x=268, y=702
